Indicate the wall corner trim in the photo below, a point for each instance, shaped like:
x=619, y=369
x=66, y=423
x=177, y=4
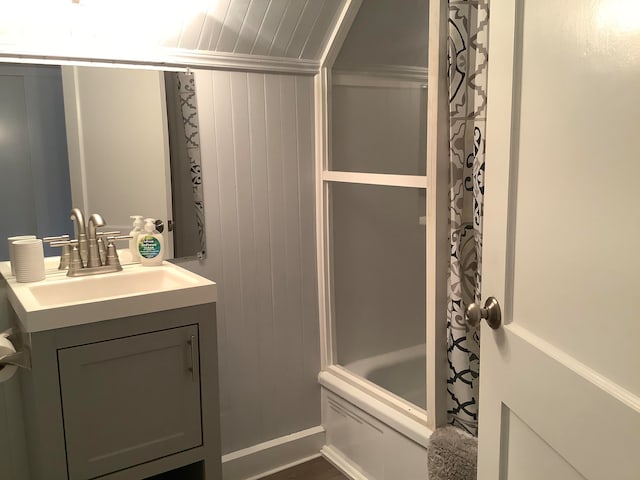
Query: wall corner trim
x=274, y=455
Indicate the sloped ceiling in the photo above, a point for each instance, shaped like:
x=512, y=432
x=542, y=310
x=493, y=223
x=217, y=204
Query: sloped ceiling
x=297, y=30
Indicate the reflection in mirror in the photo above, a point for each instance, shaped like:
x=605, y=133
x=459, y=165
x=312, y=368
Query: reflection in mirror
x=186, y=166
x=115, y=141
x=35, y=192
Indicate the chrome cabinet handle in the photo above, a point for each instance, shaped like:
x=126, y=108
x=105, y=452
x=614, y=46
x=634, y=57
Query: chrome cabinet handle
x=491, y=313
x=192, y=365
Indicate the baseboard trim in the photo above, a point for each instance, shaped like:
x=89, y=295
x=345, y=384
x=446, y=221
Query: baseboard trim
x=342, y=463
x=272, y=456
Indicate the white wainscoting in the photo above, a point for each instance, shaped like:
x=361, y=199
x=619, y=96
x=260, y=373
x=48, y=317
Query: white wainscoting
x=272, y=456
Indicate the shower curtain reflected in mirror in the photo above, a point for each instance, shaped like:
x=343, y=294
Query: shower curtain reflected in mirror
x=186, y=169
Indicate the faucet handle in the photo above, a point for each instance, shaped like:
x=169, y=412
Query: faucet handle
x=113, y=238
x=59, y=238
x=63, y=243
x=69, y=259
x=108, y=234
x=112, y=252
x=66, y=252
x=102, y=244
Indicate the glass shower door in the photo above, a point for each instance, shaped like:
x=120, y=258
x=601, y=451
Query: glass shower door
x=379, y=285
x=376, y=180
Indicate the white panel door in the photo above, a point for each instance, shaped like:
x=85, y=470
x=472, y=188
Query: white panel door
x=560, y=383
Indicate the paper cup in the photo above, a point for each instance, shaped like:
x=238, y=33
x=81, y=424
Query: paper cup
x=10, y=241
x=28, y=260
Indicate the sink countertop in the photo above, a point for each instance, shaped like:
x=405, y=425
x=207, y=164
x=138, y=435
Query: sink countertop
x=59, y=301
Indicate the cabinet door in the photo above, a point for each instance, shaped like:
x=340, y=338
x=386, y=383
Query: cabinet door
x=130, y=400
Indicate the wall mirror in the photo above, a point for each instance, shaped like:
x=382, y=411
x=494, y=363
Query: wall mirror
x=117, y=141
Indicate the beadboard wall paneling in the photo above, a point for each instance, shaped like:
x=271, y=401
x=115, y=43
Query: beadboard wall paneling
x=257, y=153
x=318, y=37
x=277, y=28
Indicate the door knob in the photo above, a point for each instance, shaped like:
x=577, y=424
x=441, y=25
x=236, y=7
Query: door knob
x=491, y=313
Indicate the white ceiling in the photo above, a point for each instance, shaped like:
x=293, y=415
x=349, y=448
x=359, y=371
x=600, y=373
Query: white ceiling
x=277, y=28
x=285, y=29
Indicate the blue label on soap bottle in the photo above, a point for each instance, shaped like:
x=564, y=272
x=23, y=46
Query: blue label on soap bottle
x=148, y=246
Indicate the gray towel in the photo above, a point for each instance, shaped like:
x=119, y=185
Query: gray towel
x=452, y=455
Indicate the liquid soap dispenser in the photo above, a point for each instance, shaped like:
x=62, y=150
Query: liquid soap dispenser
x=150, y=244
x=138, y=225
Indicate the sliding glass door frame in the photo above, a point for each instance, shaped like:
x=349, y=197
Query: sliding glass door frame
x=436, y=184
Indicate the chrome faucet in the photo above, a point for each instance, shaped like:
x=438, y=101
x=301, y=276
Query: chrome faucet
x=93, y=254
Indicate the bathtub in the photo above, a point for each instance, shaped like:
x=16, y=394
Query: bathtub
x=402, y=372
x=371, y=434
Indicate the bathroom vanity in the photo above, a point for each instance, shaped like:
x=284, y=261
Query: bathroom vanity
x=123, y=383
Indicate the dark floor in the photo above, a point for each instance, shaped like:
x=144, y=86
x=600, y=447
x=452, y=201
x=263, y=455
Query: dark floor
x=316, y=469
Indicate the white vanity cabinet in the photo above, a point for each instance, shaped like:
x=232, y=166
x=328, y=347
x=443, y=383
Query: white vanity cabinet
x=127, y=398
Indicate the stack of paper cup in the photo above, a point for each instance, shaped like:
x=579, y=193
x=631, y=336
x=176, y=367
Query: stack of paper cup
x=10, y=241
x=28, y=260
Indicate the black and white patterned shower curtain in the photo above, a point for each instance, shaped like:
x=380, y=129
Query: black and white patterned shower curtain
x=468, y=38
x=189, y=109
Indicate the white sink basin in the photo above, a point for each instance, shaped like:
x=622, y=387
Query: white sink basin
x=60, y=301
x=100, y=287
